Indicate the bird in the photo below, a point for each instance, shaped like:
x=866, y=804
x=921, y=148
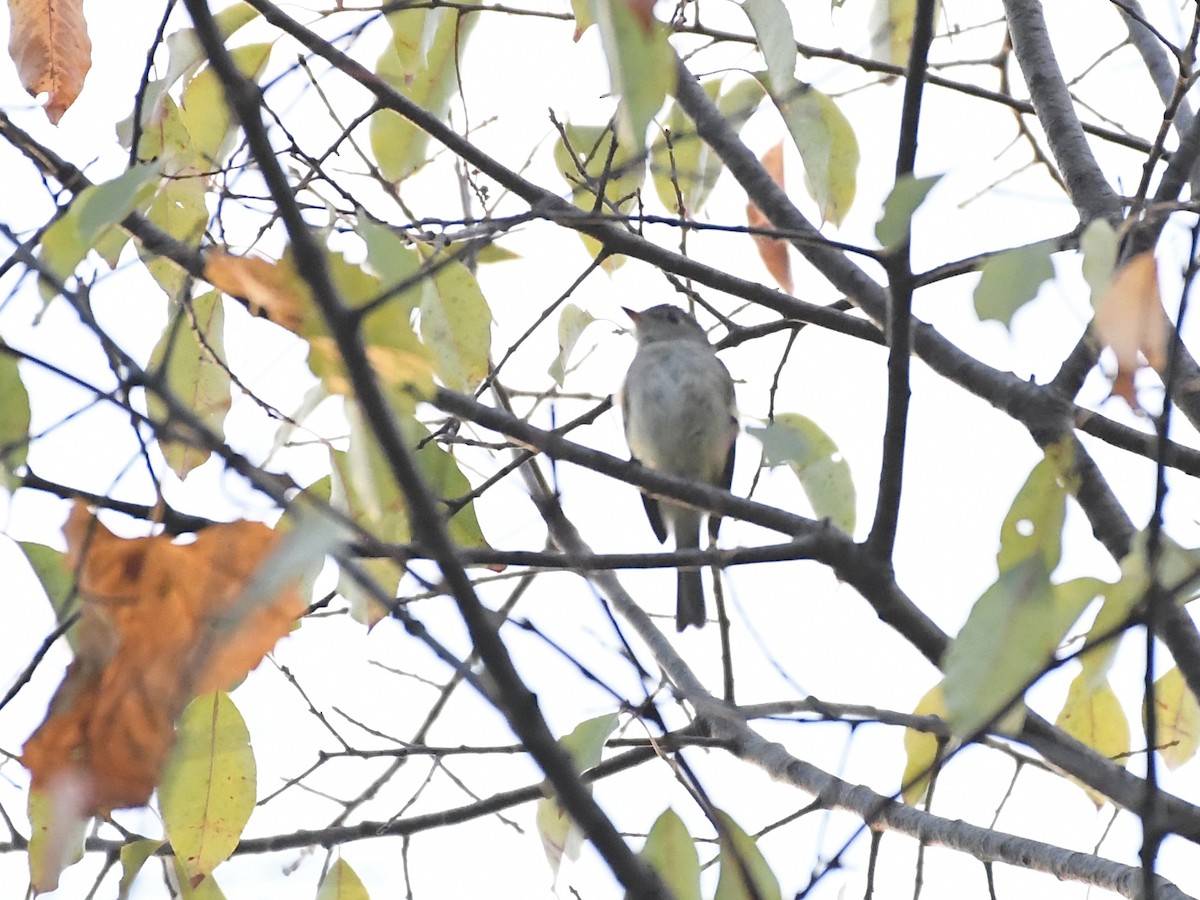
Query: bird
x=680, y=418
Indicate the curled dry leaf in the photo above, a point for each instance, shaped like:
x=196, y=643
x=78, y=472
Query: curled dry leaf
x=1131, y=322
x=774, y=252
x=274, y=288
x=50, y=47
x=162, y=622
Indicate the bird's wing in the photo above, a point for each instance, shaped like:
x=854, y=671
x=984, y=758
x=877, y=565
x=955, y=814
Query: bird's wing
x=714, y=522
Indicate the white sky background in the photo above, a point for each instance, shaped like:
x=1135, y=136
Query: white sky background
x=965, y=464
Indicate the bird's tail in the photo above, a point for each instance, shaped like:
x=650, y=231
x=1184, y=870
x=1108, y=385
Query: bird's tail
x=689, y=600
x=689, y=605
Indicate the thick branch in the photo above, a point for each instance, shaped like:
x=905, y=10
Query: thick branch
x=1090, y=191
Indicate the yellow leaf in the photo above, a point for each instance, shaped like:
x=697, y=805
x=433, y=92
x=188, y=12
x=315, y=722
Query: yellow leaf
x=50, y=46
x=342, y=883
x=1092, y=714
x=456, y=325
x=422, y=63
x=1178, y=719
x=891, y=27
x=188, y=358
x=671, y=851
x=590, y=161
x=133, y=857
x=740, y=857
x=921, y=749
x=209, y=785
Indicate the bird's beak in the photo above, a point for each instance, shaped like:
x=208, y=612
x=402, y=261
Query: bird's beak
x=632, y=313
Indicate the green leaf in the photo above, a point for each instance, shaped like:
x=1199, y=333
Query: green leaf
x=363, y=487
x=1015, y=628
x=180, y=209
x=133, y=857
x=1177, y=717
x=740, y=857
x=190, y=359
x=1093, y=715
x=1009, y=638
x=773, y=30
x=684, y=170
x=394, y=261
x=823, y=472
x=687, y=169
x=1005, y=644
x=205, y=112
x=57, y=578
x=446, y=480
x=208, y=789
x=421, y=63
x=585, y=164
x=572, y=322
x=341, y=882
x=456, y=325
x=14, y=421
x=1010, y=279
x=69, y=238
x=827, y=145
x=671, y=852
x=641, y=66
x=1099, y=245
x=921, y=749
x=1034, y=523
x=559, y=835
x=904, y=200
x=586, y=741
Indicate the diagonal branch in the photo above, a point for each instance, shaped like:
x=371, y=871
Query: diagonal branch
x=1090, y=192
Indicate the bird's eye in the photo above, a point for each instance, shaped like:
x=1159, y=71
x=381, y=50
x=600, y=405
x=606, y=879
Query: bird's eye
x=673, y=317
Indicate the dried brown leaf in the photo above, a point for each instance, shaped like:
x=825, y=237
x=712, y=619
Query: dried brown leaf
x=1130, y=321
x=50, y=47
x=773, y=251
x=272, y=287
x=161, y=623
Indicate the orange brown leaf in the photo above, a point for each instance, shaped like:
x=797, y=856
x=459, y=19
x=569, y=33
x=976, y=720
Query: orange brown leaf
x=161, y=623
x=50, y=47
x=1130, y=321
x=271, y=287
x=773, y=251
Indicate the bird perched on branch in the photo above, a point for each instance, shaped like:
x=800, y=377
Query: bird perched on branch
x=680, y=419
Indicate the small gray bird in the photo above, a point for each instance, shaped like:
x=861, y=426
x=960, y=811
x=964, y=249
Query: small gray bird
x=680, y=418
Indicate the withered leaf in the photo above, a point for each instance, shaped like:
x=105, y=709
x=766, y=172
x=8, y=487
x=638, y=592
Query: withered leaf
x=1130, y=320
x=774, y=252
x=272, y=287
x=50, y=47
x=161, y=623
